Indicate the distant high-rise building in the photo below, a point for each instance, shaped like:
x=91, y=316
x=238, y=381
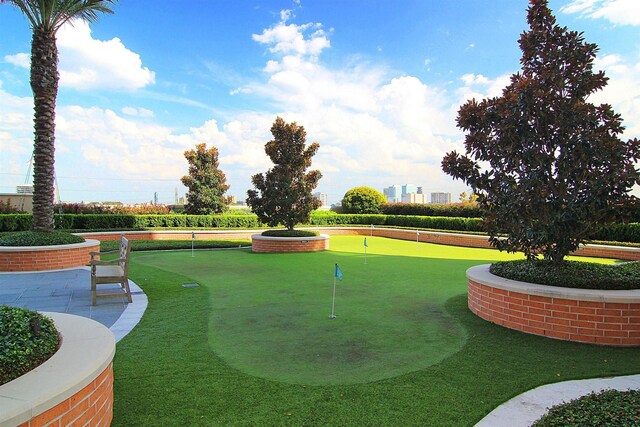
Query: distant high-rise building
x=323, y=197
x=393, y=193
x=414, y=198
x=408, y=189
x=175, y=196
x=155, y=198
x=440, y=198
x=419, y=190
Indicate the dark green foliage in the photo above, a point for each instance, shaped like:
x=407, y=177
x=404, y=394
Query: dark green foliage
x=15, y=222
x=332, y=218
x=161, y=245
x=362, y=200
x=81, y=208
x=461, y=210
x=556, y=169
x=206, y=182
x=571, y=274
x=619, y=233
x=283, y=194
x=39, y=238
x=435, y=222
x=607, y=408
x=27, y=339
x=290, y=233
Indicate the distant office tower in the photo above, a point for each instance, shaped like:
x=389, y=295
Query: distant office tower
x=414, y=198
x=155, y=198
x=323, y=197
x=408, y=188
x=419, y=190
x=393, y=193
x=440, y=198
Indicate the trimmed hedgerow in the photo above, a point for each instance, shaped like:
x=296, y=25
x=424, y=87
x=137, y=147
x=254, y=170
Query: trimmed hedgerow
x=290, y=233
x=159, y=245
x=460, y=210
x=27, y=339
x=39, y=238
x=607, y=408
x=571, y=274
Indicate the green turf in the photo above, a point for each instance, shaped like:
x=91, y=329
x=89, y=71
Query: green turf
x=199, y=357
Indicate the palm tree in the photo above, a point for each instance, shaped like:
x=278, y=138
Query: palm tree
x=46, y=17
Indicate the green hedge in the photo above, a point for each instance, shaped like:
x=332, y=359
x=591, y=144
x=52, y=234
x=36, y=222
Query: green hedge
x=458, y=210
x=21, y=222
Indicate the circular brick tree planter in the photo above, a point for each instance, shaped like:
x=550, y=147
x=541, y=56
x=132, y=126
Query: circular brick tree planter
x=41, y=258
x=73, y=387
x=266, y=244
x=581, y=315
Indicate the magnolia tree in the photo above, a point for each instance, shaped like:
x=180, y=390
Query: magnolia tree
x=548, y=167
x=282, y=196
x=206, y=182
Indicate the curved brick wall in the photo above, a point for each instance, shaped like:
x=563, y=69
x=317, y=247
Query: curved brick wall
x=40, y=258
x=73, y=387
x=581, y=315
x=264, y=244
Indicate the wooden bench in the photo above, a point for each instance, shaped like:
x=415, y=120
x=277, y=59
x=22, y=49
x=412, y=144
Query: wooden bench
x=111, y=271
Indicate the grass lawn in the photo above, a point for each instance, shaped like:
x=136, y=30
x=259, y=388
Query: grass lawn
x=253, y=345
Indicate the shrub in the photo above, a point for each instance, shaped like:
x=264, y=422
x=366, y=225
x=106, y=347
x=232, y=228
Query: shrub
x=27, y=339
x=290, y=233
x=607, y=408
x=362, y=200
x=571, y=274
x=461, y=210
x=7, y=207
x=39, y=238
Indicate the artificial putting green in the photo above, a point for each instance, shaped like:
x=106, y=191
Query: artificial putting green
x=269, y=312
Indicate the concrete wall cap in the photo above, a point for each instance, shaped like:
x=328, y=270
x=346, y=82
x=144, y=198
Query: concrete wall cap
x=86, y=244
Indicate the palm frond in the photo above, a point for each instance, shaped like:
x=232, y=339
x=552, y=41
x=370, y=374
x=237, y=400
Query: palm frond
x=50, y=15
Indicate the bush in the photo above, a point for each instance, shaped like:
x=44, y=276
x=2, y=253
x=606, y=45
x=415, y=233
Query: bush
x=39, y=238
x=27, y=339
x=362, y=200
x=607, y=408
x=571, y=274
x=460, y=210
x=290, y=233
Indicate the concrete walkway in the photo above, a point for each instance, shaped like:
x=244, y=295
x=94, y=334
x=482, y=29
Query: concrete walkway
x=524, y=409
x=69, y=291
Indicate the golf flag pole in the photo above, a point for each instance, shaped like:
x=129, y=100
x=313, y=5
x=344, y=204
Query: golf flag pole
x=336, y=275
x=193, y=237
x=365, y=250
x=417, y=239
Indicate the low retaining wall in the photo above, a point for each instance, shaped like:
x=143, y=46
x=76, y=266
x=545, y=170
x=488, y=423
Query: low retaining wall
x=40, y=258
x=73, y=387
x=581, y=315
x=267, y=244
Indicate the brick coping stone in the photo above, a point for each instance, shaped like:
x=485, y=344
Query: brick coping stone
x=86, y=352
x=270, y=244
x=87, y=243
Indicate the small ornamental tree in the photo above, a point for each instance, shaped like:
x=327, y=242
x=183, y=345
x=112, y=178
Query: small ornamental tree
x=547, y=165
x=283, y=194
x=362, y=200
x=206, y=182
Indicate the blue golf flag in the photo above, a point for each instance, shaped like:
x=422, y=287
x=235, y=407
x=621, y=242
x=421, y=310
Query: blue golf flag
x=338, y=273
x=365, y=243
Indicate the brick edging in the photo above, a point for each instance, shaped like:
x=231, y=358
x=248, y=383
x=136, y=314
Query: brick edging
x=587, y=316
x=42, y=258
x=267, y=244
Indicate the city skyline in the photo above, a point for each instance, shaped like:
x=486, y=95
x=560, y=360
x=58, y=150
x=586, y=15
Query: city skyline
x=380, y=95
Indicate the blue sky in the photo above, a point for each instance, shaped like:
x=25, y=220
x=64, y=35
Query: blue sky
x=376, y=83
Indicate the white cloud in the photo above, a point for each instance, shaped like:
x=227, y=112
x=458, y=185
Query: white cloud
x=619, y=12
x=87, y=63
x=19, y=59
x=138, y=112
x=289, y=39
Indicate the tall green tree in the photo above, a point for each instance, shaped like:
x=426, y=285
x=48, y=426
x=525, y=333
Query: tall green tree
x=548, y=166
x=46, y=17
x=283, y=193
x=206, y=182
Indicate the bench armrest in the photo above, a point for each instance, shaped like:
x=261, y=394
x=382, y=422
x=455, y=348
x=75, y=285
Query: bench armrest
x=116, y=251
x=107, y=262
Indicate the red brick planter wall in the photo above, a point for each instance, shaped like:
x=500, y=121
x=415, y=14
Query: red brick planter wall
x=40, y=258
x=264, y=244
x=91, y=406
x=72, y=388
x=581, y=315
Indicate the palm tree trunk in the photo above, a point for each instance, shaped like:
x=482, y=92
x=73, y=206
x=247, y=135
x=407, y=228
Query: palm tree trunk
x=44, y=84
